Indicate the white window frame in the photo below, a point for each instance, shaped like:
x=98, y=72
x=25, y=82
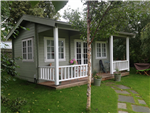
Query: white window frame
x=75, y=51
x=26, y=40
x=45, y=49
x=101, y=42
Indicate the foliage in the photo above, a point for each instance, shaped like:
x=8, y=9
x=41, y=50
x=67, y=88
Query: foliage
x=5, y=13
x=96, y=75
x=105, y=18
x=8, y=67
x=58, y=4
x=119, y=51
x=14, y=104
x=117, y=72
x=136, y=21
x=42, y=9
x=145, y=39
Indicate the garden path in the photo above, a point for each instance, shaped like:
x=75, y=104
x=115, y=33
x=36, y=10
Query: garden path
x=129, y=100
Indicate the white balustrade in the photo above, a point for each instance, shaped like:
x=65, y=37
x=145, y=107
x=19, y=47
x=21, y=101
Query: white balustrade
x=121, y=65
x=71, y=72
x=68, y=72
x=47, y=73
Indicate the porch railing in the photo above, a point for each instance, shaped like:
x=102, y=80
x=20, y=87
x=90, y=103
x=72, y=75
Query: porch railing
x=47, y=73
x=121, y=65
x=68, y=72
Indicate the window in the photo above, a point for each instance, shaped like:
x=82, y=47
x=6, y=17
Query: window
x=101, y=50
x=49, y=49
x=27, y=49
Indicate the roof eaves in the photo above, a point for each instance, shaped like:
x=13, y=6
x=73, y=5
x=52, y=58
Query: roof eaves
x=30, y=18
x=125, y=33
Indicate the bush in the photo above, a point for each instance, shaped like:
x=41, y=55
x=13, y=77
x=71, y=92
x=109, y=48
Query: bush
x=8, y=67
x=14, y=105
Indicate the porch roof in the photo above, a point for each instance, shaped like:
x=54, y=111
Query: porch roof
x=40, y=20
x=53, y=23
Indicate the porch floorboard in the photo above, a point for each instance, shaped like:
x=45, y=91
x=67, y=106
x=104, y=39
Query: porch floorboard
x=78, y=82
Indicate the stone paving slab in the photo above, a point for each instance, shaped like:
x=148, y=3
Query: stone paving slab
x=112, y=87
x=122, y=87
x=133, y=91
x=141, y=101
x=140, y=109
x=126, y=99
x=122, y=105
x=122, y=92
x=122, y=112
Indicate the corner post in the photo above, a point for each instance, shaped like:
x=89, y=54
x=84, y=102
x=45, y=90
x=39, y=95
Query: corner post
x=111, y=54
x=127, y=52
x=55, y=30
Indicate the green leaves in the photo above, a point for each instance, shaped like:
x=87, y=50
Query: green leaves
x=145, y=38
x=33, y=3
x=57, y=4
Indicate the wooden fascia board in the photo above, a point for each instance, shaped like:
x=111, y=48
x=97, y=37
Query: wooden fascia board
x=12, y=31
x=124, y=34
x=31, y=19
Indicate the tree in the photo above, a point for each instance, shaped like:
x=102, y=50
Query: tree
x=134, y=24
x=145, y=39
x=42, y=9
x=58, y=4
x=103, y=19
x=5, y=13
x=7, y=65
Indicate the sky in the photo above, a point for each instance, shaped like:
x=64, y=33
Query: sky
x=73, y=4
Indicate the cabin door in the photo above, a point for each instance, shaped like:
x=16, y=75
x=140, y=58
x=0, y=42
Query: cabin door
x=81, y=52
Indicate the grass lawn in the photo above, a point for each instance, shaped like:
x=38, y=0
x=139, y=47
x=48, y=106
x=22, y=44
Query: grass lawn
x=41, y=99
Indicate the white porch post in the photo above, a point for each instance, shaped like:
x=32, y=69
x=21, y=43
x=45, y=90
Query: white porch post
x=56, y=55
x=111, y=54
x=127, y=52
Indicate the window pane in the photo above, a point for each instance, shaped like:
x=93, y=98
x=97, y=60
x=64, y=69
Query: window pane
x=48, y=55
x=62, y=55
x=24, y=56
x=52, y=56
x=62, y=43
x=29, y=49
x=24, y=50
x=29, y=56
x=62, y=49
x=51, y=49
x=48, y=49
x=24, y=44
x=59, y=55
x=29, y=42
x=48, y=42
x=52, y=42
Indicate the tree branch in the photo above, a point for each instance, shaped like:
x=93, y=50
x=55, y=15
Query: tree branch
x=101, y=21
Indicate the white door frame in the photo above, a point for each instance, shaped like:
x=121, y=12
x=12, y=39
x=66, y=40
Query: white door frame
x=75, y=51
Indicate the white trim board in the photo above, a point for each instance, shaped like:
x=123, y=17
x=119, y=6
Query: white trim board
x=45, y=49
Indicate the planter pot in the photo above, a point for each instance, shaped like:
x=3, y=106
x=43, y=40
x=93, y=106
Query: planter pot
x=117, y=77
x=97, y=82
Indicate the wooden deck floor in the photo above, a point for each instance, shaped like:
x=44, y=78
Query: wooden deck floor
x=77, y=82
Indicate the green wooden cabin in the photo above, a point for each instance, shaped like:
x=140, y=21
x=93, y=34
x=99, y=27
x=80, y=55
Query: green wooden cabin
x=48, y=45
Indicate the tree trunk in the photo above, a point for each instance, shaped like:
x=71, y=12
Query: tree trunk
x=88, y=106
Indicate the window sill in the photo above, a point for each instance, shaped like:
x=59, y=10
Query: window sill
x=101, y=57
x=60, y=60
x=27, y=60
